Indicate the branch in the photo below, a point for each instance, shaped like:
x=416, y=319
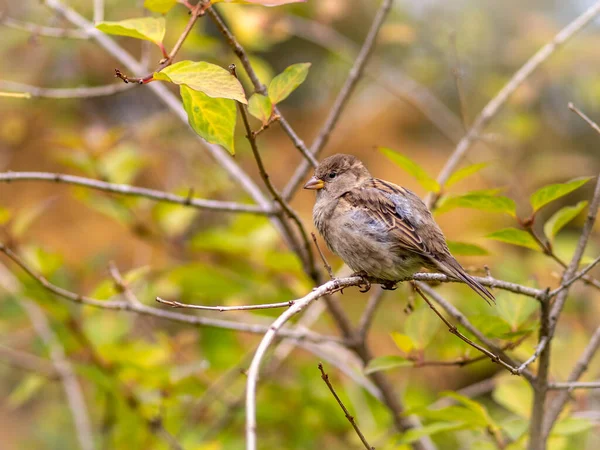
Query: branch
x=66, y=93
x=175, y=304
x=461, y=319
x=125, y=189
x=342, y=99
x=452, y=329
x=575, y=385
x=538, y=349
x=41, y=30
x=27, y=361
x=496, y=104
x=323, y=259
x=66, y=373
x=326, y=289
x=369, y=313
x=325, y=378
x=155, y=312
x=577, y=276
x=258, y=86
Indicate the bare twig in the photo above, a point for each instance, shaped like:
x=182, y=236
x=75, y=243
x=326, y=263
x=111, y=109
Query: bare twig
x=66, y=93
x=122, y=286
x=461, y=319
x=156, y=312
x=575, y=385
x=538, y=349
x=126, y=189
x=98, y=11
x=305, y=250
x=325, y=263
x=66, y=373
x=350, y=418
x=454, y=331
x=41, y=30
x=325, y=289
x=342, y=99
x=496, y=104
x=27, y=361
x=576, y=277
x=175, y=304
x=581, y=114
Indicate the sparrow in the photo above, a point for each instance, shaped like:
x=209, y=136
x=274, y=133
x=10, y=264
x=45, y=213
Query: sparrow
x=382, y=231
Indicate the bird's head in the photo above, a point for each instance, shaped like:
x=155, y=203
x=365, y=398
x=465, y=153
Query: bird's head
x=337, y=175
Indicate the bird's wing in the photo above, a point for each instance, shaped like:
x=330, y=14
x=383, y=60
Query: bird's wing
x=380, y=201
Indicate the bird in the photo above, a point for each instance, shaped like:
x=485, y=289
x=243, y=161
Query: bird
x=380, y=230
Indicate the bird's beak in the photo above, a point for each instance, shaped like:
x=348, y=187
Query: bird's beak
x=314, y=184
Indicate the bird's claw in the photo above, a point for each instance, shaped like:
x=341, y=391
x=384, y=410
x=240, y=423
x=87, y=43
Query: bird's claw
x=365, y=286
x=390, y=286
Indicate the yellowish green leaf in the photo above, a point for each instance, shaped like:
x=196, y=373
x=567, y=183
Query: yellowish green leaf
x=387, y=363
x=260, y=107
x=572, y=425
x=260, y=2
x=403, y=342
x=562, y=217
x=5, y=215
x=159, y=6
x=287, y=81
x=414, y=434
x=515, y=394
x=25, y=390
x=516, y=237
x=212, y=118
x=481, y=201
x=545, y=195
x=412, y=168
x=465, y=172
x=515, y=310
x=204, y=77
x=146, y=28
x=466, y=249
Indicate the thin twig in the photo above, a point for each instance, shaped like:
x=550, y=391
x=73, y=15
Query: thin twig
x=66, y=93
x=175, y=304
x=27, y=361
x=581, y=114
x=122, y=286
x=496, y=103
x=454, y=330
x=325, y=263
x=307, y=254
x=98, y=11
x=126, y=189
x=569, y=386
x=156, y=312
x=41, y=30
x=369, y=313
x=342, y=99
x=538, y=349
x=253, y=371
x=576, y=277
x=350, y=418
x=66, y=373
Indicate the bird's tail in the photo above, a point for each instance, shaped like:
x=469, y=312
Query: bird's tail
x=452, y=267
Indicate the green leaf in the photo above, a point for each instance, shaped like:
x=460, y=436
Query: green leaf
x=287, y=81
x=25, y=218
x=25, y=390
x=260, y=107
x=562, y=217
x=481, y=201
x=516, y=237
x=421, y=326
x=147, y=28
x=549, y=193
x=5, y=215
x=466, y=249
x=204, y=77
x=414, y=434
x=478, y=409
x=159, y=6
x=121, y=164
x=465, y=172
x=212, y=118
x=387, y=363
x=403, y=342
x=412, y=168
x=515, y=309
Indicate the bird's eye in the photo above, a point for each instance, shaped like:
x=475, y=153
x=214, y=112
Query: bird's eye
x=332, y=175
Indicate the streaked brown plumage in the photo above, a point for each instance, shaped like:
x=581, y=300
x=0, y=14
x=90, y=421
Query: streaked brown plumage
x=379, y=229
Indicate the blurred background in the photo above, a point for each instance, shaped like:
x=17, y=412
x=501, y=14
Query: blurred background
x=408, y=101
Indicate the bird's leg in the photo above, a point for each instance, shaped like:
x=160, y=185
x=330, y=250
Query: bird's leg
x=365, y=286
